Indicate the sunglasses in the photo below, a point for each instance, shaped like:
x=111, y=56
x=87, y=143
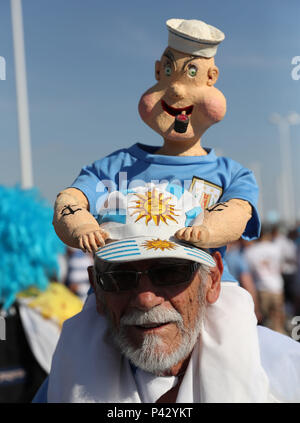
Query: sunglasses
x=126, y=280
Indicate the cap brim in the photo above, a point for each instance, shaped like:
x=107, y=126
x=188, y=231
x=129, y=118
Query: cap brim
x=147, y=247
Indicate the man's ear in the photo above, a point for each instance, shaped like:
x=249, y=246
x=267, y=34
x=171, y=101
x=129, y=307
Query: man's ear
x=214, y=285
x=90, y=270
x=99, y=305
x=213, y=75
x=157, y=70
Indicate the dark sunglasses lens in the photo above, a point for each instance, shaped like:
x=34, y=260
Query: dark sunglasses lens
x=171, y=275
x=118, y=281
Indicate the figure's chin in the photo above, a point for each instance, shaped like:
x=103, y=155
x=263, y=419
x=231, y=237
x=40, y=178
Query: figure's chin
x=172, y=135
x=177, y=136
x=164, y=126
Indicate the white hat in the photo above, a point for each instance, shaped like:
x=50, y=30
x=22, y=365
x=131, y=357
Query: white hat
x=142, y=223
x=194, y=37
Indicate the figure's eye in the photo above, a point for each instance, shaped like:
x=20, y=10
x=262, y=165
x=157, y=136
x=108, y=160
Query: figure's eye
x=192, y=71
x=168, y=70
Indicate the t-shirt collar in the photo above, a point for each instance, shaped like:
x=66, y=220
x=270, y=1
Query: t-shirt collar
x=147, y=153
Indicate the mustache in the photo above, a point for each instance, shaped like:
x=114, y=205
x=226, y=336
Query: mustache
x=155, y=315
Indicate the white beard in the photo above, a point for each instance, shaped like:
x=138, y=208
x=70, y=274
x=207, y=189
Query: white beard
x=151, y=355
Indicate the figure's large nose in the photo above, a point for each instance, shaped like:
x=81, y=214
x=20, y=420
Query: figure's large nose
x=176, y=91
x=146, y=295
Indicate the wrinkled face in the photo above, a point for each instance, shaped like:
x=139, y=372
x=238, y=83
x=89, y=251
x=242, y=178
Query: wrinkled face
x=155, y=327
x=184, y=84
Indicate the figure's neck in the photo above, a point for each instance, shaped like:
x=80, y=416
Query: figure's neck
x=181, y=148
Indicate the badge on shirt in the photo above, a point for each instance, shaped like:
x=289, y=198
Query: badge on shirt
x=206, y=192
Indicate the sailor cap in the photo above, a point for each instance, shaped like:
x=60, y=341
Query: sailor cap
x=194, y=37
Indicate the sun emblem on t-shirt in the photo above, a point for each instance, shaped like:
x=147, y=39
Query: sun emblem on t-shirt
x=159, y=244
x=153, y=205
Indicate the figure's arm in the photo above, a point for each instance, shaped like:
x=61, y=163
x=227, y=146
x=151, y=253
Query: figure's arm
x=222, y=223
x=73, y=222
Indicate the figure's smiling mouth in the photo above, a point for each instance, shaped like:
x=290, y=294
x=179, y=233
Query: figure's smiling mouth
x=174, y=111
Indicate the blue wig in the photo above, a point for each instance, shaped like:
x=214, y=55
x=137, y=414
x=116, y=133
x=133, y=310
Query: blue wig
x=29, y=246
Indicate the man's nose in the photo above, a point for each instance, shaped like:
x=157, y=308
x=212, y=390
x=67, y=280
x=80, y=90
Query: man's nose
x=176, y=91
x=146, y=295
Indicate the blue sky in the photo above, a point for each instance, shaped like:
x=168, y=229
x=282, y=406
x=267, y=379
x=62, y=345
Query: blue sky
x=89, y=61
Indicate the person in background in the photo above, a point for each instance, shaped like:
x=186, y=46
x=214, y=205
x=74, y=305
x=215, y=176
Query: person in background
x=264, y=260
x=288, y=249
x=239, y=268
x=77, y=278
x=33, y=302
x=297, y=285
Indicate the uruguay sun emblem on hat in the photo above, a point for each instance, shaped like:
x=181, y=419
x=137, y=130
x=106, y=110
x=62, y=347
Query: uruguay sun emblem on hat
x=142, y=223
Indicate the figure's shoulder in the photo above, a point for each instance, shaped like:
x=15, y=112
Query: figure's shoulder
x=230, y=164
x=115, y=155
x=111, y=163
x=232, y=172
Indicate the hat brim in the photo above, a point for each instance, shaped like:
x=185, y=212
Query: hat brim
x=147, y=247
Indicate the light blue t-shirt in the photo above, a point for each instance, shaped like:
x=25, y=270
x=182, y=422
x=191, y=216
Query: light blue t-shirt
x=221, y=177
x=237, y=263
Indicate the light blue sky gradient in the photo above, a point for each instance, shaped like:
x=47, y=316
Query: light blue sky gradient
x=89, y=61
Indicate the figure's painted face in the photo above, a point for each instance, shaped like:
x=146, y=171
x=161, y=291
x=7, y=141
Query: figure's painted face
x=185, y=83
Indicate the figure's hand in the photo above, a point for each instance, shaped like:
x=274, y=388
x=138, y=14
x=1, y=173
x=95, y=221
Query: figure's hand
x=90, y=237
x=197, y=235
x=222, y=223
x=74, y=224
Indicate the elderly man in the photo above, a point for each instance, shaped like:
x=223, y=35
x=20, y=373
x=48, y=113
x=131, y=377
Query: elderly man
x=161, y=327
x=155, y=311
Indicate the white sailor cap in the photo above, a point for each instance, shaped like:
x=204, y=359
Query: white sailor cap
x=142, y=222
x=194, y=37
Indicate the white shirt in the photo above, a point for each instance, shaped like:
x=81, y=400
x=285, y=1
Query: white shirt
x=234, y=362
x=288, y=254
x=264, y=259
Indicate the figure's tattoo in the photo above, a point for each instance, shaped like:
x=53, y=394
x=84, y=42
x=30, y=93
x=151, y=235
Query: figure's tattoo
x=214, y=207
x=69, y=208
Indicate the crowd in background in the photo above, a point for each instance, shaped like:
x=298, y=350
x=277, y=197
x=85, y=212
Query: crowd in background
x=34, y=303
x=269, y=268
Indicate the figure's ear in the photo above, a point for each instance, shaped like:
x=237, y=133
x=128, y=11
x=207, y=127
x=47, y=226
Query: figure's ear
x=214, y=283
x=213, y=75
x=157, y=70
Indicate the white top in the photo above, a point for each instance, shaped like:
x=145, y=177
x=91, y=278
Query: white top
x=235, y=361
x=264, y=259
x=288, y=254
x=194, y=37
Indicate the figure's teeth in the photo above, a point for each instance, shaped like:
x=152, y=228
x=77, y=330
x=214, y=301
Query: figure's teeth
x=174, y=111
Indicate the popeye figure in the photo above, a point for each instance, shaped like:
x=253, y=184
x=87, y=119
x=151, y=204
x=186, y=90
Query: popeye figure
x=180, y=107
